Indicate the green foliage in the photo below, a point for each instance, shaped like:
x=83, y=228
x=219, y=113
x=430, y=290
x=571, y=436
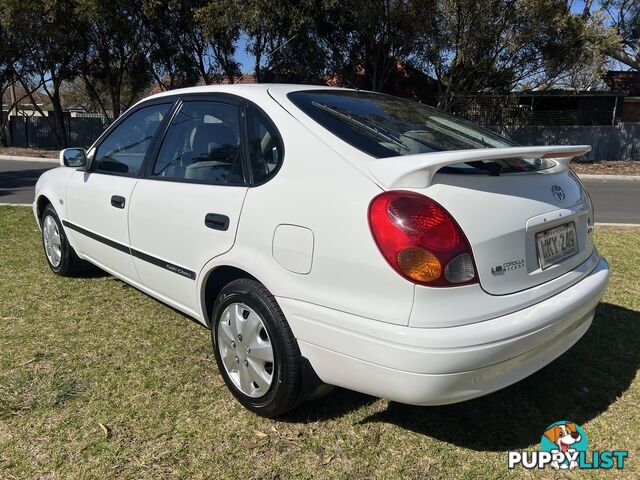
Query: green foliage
x=499, y=45
x=115, y=61
x=369, y=39
x=624, y=15
x=46, y=34
x=219, y=23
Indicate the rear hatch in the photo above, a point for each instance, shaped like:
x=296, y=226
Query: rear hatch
x=524, y=214
x=524, y=228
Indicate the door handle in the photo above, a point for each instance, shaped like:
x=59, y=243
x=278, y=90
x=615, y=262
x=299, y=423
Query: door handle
x=217, y=221
x=117, y=201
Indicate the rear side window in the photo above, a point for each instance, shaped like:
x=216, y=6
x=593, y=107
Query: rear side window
x=265, y=145
x=202, y=145
x=123, y=151
x=386, y=126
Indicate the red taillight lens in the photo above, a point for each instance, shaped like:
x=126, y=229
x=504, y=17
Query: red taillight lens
x=420, y=239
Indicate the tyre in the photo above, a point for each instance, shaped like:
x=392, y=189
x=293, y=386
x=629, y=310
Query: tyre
x=255, y=350
x=61, y=257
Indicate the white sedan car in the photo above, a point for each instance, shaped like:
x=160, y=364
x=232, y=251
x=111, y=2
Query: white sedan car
x=335, y=237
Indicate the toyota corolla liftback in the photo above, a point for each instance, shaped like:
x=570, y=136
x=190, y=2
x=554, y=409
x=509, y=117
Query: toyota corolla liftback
x=335, y=237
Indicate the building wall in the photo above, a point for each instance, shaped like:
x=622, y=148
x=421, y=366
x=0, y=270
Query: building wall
x=631, y=110
x=609, y=142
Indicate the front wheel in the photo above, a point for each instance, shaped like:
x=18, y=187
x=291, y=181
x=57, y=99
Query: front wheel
x=61, y=257
x=256, y=352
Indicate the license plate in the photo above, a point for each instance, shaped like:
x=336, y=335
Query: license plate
x=556, y=244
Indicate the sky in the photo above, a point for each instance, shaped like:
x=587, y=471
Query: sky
x=246, y=60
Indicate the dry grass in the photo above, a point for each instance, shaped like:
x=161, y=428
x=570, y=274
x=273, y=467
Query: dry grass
x=98, y=380
x=610, y=167
x=29, y=152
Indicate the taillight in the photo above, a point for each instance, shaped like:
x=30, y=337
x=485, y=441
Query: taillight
x=421, y=240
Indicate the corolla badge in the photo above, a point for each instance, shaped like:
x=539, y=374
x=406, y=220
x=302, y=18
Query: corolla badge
x=557, y=192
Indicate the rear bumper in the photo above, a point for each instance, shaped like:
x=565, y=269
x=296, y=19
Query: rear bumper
x=431, y=366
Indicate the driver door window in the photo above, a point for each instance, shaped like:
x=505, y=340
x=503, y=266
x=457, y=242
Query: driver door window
x=123, y=151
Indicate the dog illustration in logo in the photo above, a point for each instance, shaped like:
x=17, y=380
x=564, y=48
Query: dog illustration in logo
x=564, y=436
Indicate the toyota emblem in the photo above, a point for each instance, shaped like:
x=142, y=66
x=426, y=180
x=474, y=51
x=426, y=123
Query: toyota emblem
x=557, y=192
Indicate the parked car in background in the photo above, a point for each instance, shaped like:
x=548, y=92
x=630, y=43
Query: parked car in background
x=335, y=237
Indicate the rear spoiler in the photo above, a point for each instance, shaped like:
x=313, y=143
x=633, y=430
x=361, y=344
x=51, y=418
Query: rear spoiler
x=417, y=171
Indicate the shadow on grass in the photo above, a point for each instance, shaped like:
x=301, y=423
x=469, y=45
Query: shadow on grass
x=91, y=271
x=578, y=386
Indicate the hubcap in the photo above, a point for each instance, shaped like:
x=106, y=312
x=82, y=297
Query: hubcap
x=245, y=349
x=52, y=241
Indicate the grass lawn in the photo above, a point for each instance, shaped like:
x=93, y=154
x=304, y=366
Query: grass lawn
x=98, y=380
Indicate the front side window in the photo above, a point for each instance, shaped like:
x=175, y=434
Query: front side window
x=386, y=126
x=123, y=151
x=202, y=145
x=265, y=146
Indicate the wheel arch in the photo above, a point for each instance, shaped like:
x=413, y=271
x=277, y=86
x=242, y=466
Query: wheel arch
x=214, y=280
x=41, y=203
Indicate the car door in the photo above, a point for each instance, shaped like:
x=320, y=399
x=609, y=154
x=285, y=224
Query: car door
x=186, y=208
x=98, y=200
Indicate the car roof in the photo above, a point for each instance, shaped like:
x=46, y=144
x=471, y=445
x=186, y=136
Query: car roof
x=239, y=89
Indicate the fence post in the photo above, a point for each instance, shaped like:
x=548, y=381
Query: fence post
x=26, y=131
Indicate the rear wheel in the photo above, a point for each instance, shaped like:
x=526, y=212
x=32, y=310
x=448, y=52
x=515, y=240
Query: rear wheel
x=255, y=350
x=61, y=257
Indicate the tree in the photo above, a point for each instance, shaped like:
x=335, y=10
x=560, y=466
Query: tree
x=192, y=40
x=372, y=38
x=501, y=45
x=178, y=49
x=8, y=59
x=624, y=16
x=45, y=32
x=282, y=37
x=114, y=65
x=219, y=22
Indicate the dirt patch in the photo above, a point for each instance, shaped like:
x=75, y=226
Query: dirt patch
x=29, y=152
x=610, y=167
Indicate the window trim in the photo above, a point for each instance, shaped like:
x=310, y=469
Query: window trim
x=146, y=171
x=149, y=164
x=168, y=100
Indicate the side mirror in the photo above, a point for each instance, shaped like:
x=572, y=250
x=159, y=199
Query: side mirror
x=73, y=157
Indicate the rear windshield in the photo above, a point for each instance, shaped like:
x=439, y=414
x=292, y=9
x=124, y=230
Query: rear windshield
x=386, y=126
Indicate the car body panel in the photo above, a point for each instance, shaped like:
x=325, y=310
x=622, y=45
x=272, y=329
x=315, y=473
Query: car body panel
x=167, y=222
x=88, y=200
x=500, y=215
x=443, y=365
x=52, y=185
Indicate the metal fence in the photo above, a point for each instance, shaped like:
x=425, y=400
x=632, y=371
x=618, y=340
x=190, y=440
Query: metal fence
x=37, y=132
x=540, y=108
x=609, y=142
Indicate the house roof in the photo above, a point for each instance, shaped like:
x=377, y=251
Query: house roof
x=242, y=79
x=628, y=81
x=40, y=98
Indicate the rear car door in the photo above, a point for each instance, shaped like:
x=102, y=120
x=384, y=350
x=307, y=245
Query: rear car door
x=98, y=199
x=186, y=208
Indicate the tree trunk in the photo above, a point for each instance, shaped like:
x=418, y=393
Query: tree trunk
x=58, y=117
x=624, y=57
x=257, y=51
x=115, y=103
x=3, y=123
